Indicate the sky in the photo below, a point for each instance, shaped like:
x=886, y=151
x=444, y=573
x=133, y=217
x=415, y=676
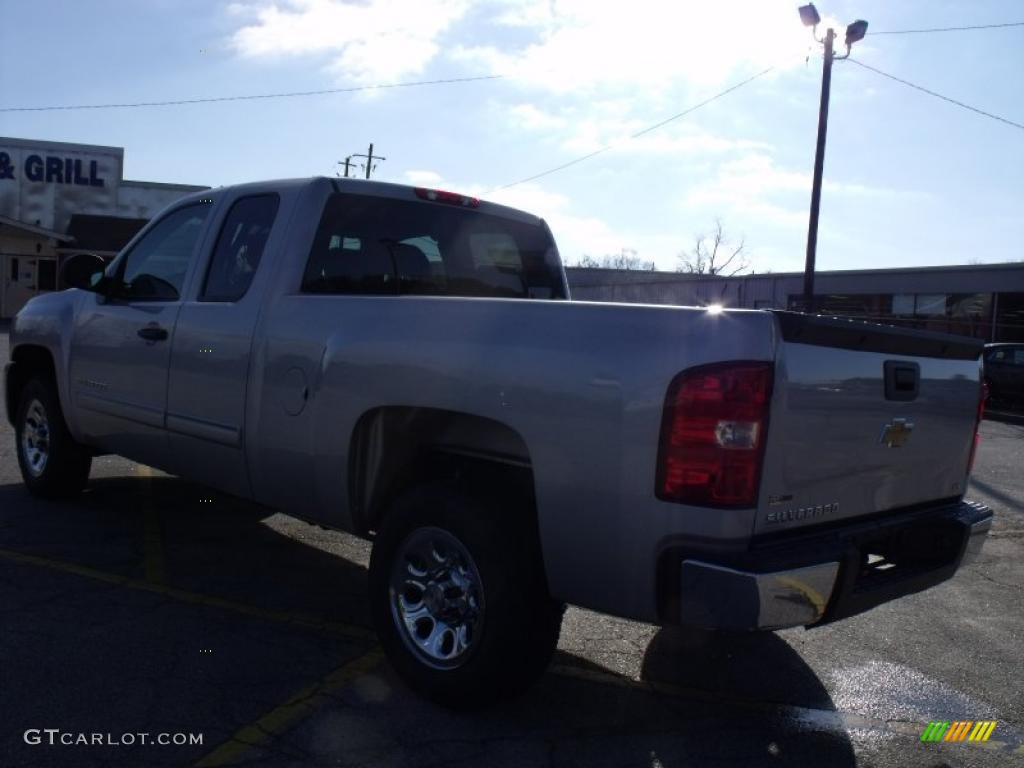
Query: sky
x=909, y=180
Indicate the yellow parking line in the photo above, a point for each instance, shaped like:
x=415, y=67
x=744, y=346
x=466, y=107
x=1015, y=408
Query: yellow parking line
x=291, y=712
x=296, y=709
x=844, y=720
x=338, y=629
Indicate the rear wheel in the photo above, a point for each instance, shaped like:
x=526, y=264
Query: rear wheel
x=458, y=597
x=52, y=464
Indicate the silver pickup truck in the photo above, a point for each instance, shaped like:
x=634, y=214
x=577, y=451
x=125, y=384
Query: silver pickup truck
x=405, y=364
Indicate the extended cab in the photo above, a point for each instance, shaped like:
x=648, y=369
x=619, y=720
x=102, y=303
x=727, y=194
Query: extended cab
x=406, y=364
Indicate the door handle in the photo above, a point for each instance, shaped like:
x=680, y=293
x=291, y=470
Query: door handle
x=153, y=333
x=902, y=380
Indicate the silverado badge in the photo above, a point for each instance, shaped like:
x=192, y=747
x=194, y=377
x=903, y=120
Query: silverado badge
x=801, y=513
x=896, y=433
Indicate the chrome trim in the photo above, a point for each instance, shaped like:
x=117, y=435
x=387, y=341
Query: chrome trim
x=205, y=430
x=975, y=540
x=35, y=439
x=109, y=406
x=775, y=600
x=437, y=598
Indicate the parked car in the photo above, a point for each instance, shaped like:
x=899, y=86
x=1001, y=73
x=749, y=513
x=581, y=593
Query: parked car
x=405, y=364
x=1004, y=374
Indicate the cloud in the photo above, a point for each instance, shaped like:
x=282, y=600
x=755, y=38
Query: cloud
x=583, y=128
x=591, y=134
x=372, y=41
x=423, y=178
x=582, y=44
x=530, y=117
x=575, y=234
x=755, y=186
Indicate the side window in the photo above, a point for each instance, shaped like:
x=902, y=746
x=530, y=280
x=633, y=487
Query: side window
x=1000, y=355
x=154, y=270
x=1018, y=356
x=239, y=248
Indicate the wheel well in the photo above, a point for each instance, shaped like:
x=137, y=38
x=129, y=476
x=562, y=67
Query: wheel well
x=28, y=360
x=393, y=448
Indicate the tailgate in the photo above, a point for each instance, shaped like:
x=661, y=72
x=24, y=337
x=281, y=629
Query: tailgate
x=864, y=419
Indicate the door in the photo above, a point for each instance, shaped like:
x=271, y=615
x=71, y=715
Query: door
x=122, y=338
x=207, y=383
x=1016, y=374
x=1004, y=369
x=19, y=283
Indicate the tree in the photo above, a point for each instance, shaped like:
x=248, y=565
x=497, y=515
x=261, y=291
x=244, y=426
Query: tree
x=714, y=254
x=625, y=259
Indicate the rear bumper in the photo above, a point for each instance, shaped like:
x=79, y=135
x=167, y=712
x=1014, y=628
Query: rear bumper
x=821, y=576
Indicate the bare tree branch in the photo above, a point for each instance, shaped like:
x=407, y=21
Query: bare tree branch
x=708, y=255
x=627, y=258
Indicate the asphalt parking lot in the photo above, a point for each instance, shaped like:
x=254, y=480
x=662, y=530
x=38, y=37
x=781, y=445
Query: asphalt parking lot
x=155, y=606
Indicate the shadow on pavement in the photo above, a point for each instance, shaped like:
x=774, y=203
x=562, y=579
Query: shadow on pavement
x=95, y=656
x=1006, y=499
x=1004, y=416
x=753, y=666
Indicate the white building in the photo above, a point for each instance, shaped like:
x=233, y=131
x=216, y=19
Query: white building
x=59, y=199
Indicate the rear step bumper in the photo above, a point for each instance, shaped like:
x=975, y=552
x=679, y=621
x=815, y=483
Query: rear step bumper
x=818, y=578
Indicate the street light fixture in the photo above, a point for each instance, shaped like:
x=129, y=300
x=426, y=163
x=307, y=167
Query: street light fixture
x=854, y=32
x=809, y=15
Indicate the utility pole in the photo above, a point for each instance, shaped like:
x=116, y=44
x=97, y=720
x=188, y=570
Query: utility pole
x=347, y=162
x=819, y=167
x=369, y=160
x=854, y=32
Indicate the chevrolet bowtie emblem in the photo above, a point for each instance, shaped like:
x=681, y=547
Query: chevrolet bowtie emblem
x=896, y=433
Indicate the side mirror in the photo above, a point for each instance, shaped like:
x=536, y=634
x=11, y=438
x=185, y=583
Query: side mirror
x=83, y=270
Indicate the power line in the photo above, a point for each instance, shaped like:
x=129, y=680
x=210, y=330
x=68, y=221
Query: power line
x=382, y=86
x=938, y=95
x=250, y=97
x=638, y=134
x=947, y=29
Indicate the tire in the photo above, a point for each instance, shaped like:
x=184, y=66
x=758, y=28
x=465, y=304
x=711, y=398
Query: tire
x=53, y=465
x=507, y=625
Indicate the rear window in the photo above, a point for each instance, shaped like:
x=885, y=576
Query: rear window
x=382, y=246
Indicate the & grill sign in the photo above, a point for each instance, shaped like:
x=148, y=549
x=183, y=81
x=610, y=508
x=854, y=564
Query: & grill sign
x=53, y=169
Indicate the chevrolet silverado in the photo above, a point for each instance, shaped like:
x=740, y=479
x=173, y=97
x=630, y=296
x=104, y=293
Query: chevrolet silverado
x=406, y=364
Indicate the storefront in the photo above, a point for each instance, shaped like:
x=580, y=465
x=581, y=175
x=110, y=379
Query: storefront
x=59, y=199
x=984, y=301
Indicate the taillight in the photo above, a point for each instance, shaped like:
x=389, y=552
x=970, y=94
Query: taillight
x=452, y=198
x=982, y=397
x=713, y=434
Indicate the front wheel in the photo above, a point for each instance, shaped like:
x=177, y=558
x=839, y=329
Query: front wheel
x=52, y=464
x=458, y=597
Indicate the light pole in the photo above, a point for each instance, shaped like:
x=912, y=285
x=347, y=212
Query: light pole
x=854, y=32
